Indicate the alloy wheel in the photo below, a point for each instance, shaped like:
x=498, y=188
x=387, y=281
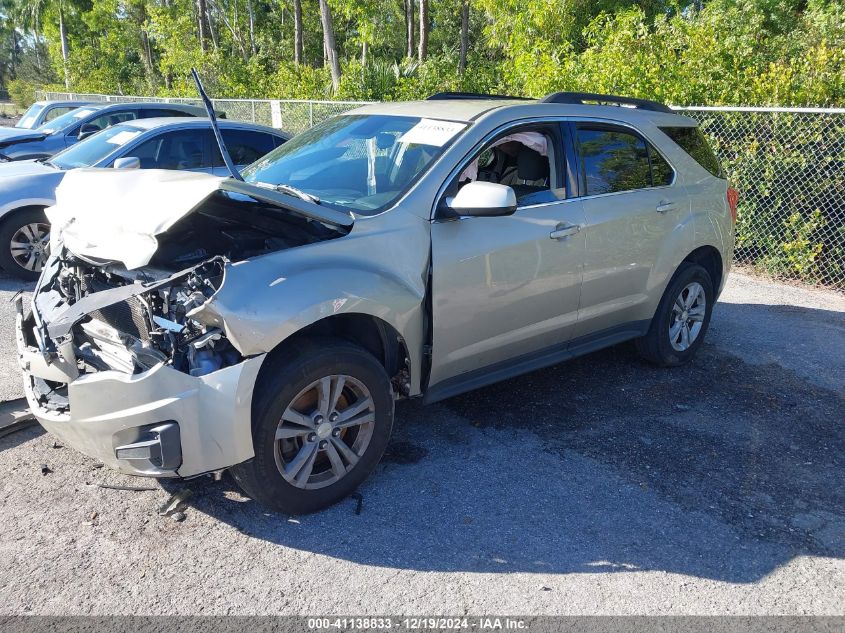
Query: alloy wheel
x=30, y=246
x=324, y=431
x=687, y=318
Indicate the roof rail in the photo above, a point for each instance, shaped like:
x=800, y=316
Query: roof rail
x=584, y=97
x=443, y=96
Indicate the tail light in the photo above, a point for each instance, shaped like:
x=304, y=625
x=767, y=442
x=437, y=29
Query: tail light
x=733, y=198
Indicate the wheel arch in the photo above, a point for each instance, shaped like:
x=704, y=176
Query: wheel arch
x=370, y=332
x=21, y=206
x=709, y=258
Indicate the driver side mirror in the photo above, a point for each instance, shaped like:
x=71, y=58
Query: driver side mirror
x=87, y=130
x=127, y=162
x=484, y=199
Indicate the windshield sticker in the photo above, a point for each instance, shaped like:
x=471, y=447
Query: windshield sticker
x=432, y=132
x=122, y=137
x=81, y=113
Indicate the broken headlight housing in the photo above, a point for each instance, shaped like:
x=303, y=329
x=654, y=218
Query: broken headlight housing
x=156, y=325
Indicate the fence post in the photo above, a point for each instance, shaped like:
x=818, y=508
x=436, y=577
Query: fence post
x=310, y=114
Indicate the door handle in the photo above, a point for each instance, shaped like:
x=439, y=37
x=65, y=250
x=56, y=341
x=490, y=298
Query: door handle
x=664, y=206
x=564, y=230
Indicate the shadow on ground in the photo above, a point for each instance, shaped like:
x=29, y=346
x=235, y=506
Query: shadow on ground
x=726, y=468
x=720, y=469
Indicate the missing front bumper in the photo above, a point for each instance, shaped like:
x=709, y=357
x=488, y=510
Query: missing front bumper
x=106, y=410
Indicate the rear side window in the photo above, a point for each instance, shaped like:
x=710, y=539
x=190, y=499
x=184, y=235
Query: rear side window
x=245, y=146
x=107, y=120
x=612, y=160
x=151, y=113
x=57, y=112
x=617, y=159
x=692, y=141
x=662, y=173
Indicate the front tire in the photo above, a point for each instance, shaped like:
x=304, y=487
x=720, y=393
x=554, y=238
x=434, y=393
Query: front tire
x=683, y=315
x=322, y=415
x=24, y=243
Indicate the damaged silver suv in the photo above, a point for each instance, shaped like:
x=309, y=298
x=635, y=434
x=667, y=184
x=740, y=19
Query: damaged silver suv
x=187, y=323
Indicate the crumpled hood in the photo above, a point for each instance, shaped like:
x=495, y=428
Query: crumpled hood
x=116, y=214
x=9, y=135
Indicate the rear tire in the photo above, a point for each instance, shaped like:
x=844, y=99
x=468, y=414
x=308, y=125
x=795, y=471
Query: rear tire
x=309, y=451
x=681, y=320
x=24, y=243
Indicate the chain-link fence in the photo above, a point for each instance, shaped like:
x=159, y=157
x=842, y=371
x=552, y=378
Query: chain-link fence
x=291, y=115
x=789, y=167
x=787, y=163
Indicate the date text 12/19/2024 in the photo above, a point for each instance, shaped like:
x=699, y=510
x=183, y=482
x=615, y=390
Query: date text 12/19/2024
x=418, y=623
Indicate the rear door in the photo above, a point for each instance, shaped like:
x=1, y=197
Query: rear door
x=632, y=203
x=244, y=146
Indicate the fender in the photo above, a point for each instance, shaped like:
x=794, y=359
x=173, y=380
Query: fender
x=22, y=203
x=712, y=220
x=264, y=301
x=673, y=249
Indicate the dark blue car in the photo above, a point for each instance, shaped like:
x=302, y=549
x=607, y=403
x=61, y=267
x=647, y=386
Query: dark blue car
x=65, y=130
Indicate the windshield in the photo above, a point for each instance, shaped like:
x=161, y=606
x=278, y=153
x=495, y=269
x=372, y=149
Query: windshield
x=29, y=117
x=358, y=162
x=95, y=148
x=66, y=120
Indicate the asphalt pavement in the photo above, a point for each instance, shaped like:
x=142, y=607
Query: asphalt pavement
x=602, y=485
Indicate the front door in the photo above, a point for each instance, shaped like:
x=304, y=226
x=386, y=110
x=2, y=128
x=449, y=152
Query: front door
x=505, y=290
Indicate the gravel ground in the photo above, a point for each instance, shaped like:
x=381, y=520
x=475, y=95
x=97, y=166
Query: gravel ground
x=10, y=382
x=599, y=486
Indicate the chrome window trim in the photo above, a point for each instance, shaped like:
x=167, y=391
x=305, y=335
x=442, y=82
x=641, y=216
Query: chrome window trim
x=616, y=193
x=550, y=119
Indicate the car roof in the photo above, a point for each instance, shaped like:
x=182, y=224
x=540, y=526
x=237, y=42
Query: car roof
x=470, y=109
x=63, y=102
x=453, y=110
x=153, y=123
x=153, y=105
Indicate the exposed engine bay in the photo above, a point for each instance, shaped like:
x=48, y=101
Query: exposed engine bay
x=140, y=331
x=92, y=315
x=237, y=229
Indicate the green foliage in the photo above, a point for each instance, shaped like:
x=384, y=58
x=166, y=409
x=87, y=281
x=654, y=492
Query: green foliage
x=801, y=251
x=727, y=53
x=753, y=52
x=686, y=52
x=788, y=169
x=22, y=92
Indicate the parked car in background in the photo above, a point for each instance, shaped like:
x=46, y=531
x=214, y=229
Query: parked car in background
x=78, y=124
x=28, y=187
x=42, y=112
x=413, y=249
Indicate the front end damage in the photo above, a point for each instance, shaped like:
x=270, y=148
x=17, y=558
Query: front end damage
x=118, y=367
x=128, y=362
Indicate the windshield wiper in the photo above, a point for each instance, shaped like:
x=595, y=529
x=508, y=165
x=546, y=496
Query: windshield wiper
x=291, y=191
x=46, y=161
